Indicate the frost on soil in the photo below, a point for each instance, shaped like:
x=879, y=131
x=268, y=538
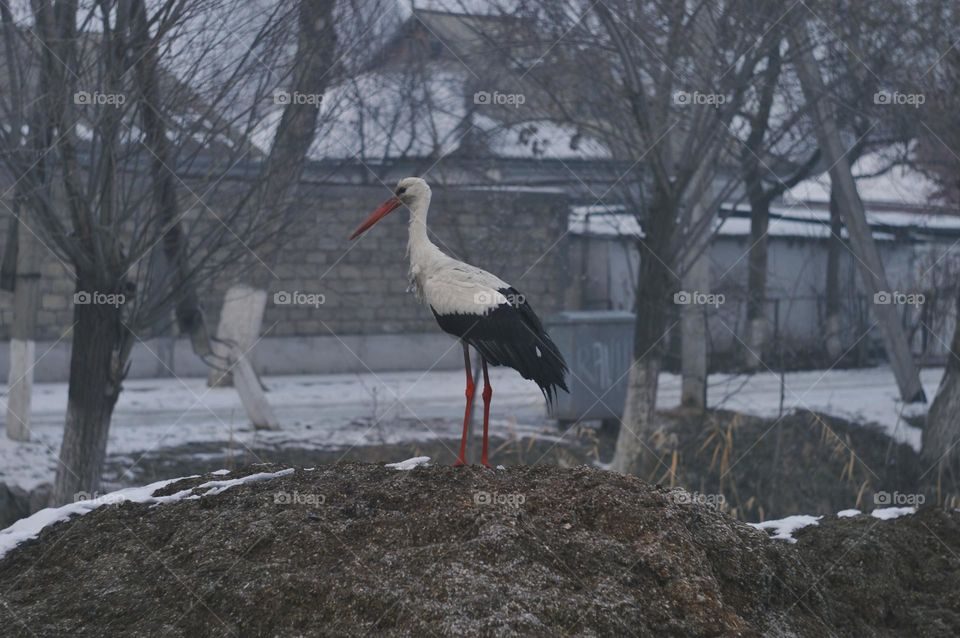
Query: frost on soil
x=416, y=553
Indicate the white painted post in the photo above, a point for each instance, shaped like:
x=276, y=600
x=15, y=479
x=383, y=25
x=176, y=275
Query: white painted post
x=240, y=323
x=26, y=297
x=20, y=388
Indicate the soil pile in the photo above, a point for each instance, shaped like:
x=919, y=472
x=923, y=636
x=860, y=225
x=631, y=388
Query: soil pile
x=535, y=550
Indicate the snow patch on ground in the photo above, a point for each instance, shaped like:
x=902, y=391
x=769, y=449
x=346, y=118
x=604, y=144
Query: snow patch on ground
x=864, y=396
x=218, y=487
x=336, y=412
x=320, y=412
x=784, y=528
x=409, y=464
x=30, y=527
x=890, y=513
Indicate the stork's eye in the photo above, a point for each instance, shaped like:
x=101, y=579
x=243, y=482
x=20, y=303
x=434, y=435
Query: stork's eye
x=401, y=191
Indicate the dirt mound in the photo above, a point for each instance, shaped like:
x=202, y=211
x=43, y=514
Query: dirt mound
x=358, y=548
x=802, y=463
x=896, y=577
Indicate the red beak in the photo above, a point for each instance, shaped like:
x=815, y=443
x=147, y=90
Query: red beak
x=385, y=209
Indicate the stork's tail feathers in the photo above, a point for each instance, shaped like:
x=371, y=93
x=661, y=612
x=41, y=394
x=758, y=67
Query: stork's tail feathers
x=538, y=360
x=512, y=335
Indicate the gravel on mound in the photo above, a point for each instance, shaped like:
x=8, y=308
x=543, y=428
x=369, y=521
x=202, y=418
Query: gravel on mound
x=535, y=550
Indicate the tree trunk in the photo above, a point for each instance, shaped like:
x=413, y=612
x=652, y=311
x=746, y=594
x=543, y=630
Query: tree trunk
x=655, y=285
x=20, y=388
x=693, y=350
x=237, y=333
x=188, y=312
x=234, y=344
x=23, y=332
x=97, y=367
x=695, y=279
x=832, y=305
x=240, y=323
x=942, y=432
x=757, y=275
x=759, y=215
x=632, y=454
x=316, y=46
x=854, y=216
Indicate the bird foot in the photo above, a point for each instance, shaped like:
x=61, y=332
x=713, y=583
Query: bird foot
x=459, y=463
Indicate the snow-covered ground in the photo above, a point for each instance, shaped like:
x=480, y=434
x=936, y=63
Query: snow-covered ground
x=783, y=528
x=31, y=526
x=865, y=396
x=327, y=412
x=338, y=411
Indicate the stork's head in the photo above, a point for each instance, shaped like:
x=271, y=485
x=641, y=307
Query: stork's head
x=411, y=192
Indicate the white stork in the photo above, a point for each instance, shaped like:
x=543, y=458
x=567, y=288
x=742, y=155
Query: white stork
x=477, y=308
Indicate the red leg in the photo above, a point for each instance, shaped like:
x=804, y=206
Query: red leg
x=461, y=459
x=487, y=394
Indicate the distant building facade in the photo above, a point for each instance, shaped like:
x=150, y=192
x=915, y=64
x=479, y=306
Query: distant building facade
x=520, y=198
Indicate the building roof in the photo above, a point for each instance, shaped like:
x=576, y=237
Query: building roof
x=431, y=112
x=897, y=188
x=427, y=93
x=801, y=221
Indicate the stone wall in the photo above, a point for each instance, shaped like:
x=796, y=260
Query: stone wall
x=517, y=235
x=55, y=315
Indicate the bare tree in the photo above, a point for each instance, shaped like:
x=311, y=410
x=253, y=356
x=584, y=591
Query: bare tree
x=671, y=63
x=648, y=68
x=24, y=251
x=21, y=265
x=133, y=108
x=871, y=267
x=661, y=86
x=941, y=436
x=770, y=142
x=326, y=56
x=781, y=148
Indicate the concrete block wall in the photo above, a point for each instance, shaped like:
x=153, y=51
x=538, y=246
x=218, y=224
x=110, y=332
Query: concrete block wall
x=518, y=235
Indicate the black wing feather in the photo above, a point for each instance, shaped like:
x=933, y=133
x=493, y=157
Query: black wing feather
x=512, y=335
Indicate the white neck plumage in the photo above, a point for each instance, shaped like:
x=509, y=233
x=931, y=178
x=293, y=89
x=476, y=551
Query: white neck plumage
x=423, y=254
x=419, y=246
